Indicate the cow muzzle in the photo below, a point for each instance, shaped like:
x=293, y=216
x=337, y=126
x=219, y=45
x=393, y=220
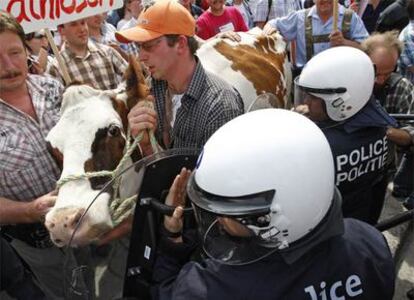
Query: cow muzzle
x=70, y=226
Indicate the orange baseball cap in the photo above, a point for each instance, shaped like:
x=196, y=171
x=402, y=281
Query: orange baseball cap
x=163, y=17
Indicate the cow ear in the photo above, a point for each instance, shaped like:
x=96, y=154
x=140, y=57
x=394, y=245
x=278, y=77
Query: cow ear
x=136, y=86
x=56, y=154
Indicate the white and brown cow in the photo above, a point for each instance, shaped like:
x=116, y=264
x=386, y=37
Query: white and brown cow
x=91, y=132
x=89, y=137
x=256, y=65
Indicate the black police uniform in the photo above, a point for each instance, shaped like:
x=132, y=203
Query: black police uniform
x=355, y=265
x=360, y=150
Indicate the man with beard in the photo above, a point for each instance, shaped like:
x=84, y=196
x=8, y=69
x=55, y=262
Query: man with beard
x=395, y=93
x=29, y=108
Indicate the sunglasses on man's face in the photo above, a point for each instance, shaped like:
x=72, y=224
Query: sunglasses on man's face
x=34, y=35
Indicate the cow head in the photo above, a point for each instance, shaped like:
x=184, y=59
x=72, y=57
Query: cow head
x=91, y=137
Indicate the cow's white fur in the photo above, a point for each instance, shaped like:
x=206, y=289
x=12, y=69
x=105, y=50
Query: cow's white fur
x=218, y=64
x=84, y=111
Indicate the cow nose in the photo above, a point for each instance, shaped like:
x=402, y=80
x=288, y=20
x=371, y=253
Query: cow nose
x=64, y=219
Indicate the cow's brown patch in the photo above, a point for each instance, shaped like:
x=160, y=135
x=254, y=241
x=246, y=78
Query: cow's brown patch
x=122, y=110
x=107, y=150
x=56, y=154
x=259, y=64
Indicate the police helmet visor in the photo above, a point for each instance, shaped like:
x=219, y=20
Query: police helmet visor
x=227, y=240
x=226, y=224
x=302, y=93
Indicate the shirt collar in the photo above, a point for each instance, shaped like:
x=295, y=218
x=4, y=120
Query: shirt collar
x=199, y=75
x=314, y=13
x=91, y=48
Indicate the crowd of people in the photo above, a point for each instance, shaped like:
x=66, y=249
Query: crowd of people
x=274, y=225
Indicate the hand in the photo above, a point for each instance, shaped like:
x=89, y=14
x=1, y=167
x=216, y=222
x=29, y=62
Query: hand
x=399, y=136
x=337, y=39
x=303, y=109
x=142, y=118
x=176, y=197
x=231, y=35
x=355, y=7
x=38, y=208
x=118, y=232
x=268, y=29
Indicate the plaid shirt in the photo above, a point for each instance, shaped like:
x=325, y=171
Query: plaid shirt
x=207, y=104
x=27, y=170
x=397, y=96
x=278, y=8
x=102, y=67
x=406, y=59
x=398, y=93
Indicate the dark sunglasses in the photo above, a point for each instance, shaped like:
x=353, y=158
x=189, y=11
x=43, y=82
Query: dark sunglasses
x=34, y=35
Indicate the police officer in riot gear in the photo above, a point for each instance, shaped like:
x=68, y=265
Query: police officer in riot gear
x=269, y=219
x=335, y=91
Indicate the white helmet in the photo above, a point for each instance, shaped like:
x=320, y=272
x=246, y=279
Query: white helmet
x=342, y=76
x=271, y=170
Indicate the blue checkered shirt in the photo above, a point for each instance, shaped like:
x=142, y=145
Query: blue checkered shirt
x=207, y=104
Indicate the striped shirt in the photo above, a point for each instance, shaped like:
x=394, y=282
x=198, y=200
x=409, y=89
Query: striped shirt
x=207, y=104
x=102, y=67
x=27, y=170
x=278, y=8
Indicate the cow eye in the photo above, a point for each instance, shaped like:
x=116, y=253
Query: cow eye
x=114, y=130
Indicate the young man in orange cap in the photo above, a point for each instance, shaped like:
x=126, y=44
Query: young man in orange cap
x=190, y=104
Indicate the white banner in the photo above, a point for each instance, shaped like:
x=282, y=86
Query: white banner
x=38, y=14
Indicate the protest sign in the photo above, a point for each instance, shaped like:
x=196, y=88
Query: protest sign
x=39, y=14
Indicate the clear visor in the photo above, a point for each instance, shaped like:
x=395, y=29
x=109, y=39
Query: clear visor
x=303, y=94
x=231, y=227
x=227, y=240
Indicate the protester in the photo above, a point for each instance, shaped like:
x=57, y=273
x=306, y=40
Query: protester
x=312, y=29
x=270, y=222
x=406, y=59
x=219, y=19
x=194, y=9
x=29, y=108
x=244, y=9
x=190, y=104
x=130, y=11
x=100, y=30
x=394, y=17
x=271, y=9
x=82, y=58
x=394, y=92
x=396, y=95
x=369, y=11
x=342, y=105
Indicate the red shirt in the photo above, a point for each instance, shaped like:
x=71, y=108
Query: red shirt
x=208, y=25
